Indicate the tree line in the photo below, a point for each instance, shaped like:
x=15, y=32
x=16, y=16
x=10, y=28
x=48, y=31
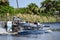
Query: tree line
x=48, y=7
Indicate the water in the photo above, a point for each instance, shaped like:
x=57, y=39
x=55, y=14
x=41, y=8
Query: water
x=55, y=35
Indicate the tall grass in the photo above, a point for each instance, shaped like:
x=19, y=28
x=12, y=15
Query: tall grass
x=33, y=18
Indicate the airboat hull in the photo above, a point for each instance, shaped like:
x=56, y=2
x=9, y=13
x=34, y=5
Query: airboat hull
x=33, y=32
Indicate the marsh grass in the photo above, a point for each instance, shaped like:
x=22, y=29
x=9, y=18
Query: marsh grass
x=38, y=18
x=30, y=17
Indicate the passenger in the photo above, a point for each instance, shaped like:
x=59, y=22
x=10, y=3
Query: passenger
x=15, y=27
x=27, y=22
x=6, y=26
x=35, y=23
x=40, y=25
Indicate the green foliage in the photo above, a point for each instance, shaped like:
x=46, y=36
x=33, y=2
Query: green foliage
x=32, y=9
x=51, y=6
x=22, y=10
x=6, y=9
x=48, y=8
